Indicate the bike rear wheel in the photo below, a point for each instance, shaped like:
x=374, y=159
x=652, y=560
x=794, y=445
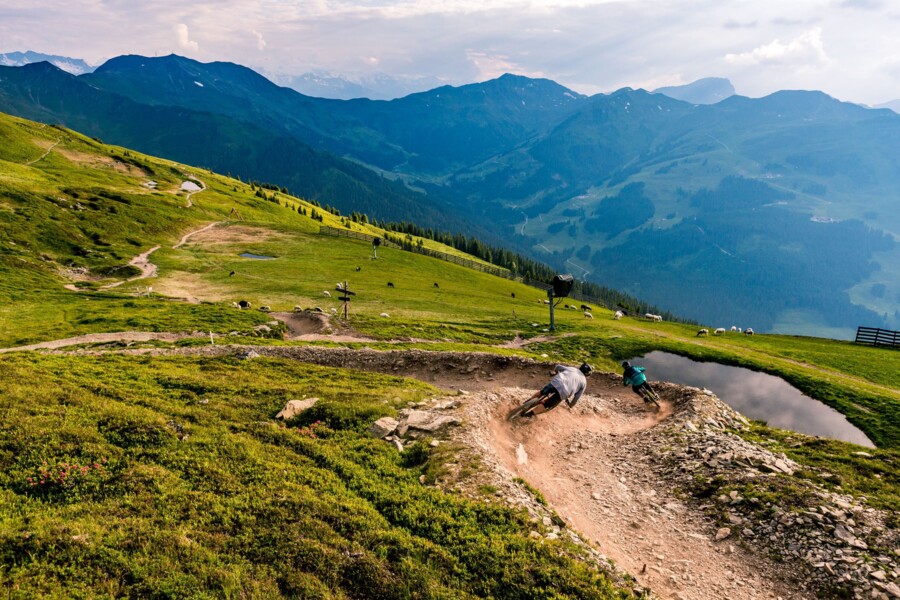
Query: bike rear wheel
x=650, y=396
x=523, y=408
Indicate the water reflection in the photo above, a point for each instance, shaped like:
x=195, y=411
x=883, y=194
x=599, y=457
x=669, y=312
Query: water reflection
x=755, y=395
x=256, y=256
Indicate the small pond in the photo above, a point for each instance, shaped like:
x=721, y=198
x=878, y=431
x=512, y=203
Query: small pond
x=755, y=395
x=256, y=256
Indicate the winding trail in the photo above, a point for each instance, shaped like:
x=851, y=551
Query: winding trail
x=190, y=202
x=101, y=338
x=142, y=262
x=190, y=234
x=44, y=155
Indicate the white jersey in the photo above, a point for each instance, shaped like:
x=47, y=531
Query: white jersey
x=569, y=382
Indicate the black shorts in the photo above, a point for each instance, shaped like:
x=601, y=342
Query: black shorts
x=552, y=398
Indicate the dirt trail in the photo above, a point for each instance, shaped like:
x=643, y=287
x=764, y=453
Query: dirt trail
x=101, y=338
x=142, y=262
x=190, y=234
x=593, y=472
x=44, y=155
x=190, y=202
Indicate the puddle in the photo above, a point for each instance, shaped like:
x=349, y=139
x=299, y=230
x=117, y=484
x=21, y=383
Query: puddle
x=755, y=395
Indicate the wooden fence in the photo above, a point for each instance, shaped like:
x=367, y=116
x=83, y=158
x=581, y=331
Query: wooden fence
x=873, y=336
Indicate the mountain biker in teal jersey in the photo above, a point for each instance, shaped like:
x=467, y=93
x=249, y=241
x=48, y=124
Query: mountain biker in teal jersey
x=634, y=376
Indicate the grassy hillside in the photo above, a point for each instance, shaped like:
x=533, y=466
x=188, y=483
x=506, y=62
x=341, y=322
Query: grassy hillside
x=178, y=482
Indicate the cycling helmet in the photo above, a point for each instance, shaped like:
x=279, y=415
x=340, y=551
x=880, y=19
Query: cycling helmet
x=626, y=364
x=586, y=369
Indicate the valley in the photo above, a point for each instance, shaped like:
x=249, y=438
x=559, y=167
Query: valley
x=724, y=197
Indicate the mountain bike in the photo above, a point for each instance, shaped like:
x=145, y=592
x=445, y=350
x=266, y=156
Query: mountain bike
x=523, y=408
x=648, y=395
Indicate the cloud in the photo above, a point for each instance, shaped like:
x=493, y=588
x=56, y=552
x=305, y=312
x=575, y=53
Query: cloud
x=184, y=39
x=260, y=40
x=806, y=48
x=862, y=4
x=491, y=66
x=732, y=24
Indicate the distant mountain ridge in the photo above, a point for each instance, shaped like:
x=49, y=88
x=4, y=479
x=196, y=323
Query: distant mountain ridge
x=75, y=66
x=709, y=90
x=699, y=208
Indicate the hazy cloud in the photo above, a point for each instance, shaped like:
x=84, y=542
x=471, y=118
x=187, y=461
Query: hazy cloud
x=806, y=48
x=260, y=40
x=588, y=45
x=184, y=38
x=862, y=4
x=732, y=24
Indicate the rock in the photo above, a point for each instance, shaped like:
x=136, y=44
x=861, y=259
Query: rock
x=863, y=454
x=723, y=533
x=294, y=408
x=246, y=354
x=597, y=496
x=435, y=443
x=447, y=405
x=397, y=444
x=892, y=589
x=430, y=422
x=383, y=427
x=262, y=329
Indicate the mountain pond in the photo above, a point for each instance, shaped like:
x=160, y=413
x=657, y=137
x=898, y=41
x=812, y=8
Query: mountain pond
x=755, y=395
x=256, y=256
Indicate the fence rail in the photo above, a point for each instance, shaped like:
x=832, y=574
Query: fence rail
x=471, y=264
x=874, y=336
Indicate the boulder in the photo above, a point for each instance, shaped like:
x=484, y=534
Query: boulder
x=383, y=427
x=430, y=422
x=294, y=408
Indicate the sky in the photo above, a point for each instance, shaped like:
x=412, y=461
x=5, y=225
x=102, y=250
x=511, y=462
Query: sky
x=849, y=49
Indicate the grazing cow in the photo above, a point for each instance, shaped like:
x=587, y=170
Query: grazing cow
x=653, y=317
x=390, y=285
x=327, y=294
x=244, y=304
x=748, y=331
x=512, y=294
x=719, y=331
x=588, y=315
x=358, y=269
x=733, y=328
x=385, y=315
x=703, y=332
x=545, y=301
x=586, y=307
x=231, y=274
x=619, y=314
x=436, y=285
x=298, y=309
x=265, y=309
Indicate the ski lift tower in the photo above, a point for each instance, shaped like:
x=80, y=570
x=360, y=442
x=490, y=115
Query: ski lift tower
x=562, y=286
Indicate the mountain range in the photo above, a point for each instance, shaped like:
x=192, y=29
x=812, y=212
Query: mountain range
x=778, y=213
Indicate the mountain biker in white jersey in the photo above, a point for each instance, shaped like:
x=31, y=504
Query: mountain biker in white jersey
x=568, y=384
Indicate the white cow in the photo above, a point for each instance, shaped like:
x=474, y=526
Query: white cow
x=619, y=314
x=719, y=331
